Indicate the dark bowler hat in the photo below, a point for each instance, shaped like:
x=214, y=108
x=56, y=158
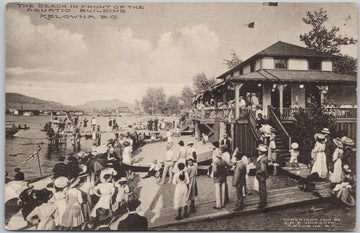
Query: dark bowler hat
x=17, y=169
x=181, y=143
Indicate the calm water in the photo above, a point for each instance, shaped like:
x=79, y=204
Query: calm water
x=24, y=144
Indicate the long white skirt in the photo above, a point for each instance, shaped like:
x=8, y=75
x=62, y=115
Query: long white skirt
x=320, y=165
x=336, y=176
x=180, y=196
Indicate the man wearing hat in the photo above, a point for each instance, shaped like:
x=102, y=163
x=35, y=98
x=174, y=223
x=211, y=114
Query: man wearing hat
x=219, y=169
x=168, y=164
x=226, y=141
x=239, y=180
x=19, y=174
x=133, y=222
x=191, y=152
x=261, y=173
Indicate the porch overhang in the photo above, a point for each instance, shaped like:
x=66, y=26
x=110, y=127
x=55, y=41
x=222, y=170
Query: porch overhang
x=296, y=76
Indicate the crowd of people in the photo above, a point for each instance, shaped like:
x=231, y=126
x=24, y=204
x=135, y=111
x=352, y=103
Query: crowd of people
x=247, y=103
x=333, y=158
x=88, y=190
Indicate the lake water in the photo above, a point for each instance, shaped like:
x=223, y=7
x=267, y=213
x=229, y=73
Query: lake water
x=24, y=143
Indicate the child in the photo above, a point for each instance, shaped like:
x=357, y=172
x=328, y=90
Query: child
x=153, y=169
x=294, y=153
x=122, y=194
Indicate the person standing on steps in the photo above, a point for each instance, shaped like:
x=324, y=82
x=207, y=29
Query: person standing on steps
x=261, y=173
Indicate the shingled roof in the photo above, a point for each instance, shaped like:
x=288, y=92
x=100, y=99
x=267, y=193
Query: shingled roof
x=299, y=76
x=290, y=50
x=282, y=49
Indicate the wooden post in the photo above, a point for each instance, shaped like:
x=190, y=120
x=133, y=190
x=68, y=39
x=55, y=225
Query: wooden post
x=237, y=99
x=281, y=98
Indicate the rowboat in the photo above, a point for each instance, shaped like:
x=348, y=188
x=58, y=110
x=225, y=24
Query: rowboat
x=10, y=128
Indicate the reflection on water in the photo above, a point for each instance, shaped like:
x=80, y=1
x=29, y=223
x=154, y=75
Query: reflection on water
x=24, y=143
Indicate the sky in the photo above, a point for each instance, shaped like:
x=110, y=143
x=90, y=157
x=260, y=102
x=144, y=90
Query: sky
x=73, y=61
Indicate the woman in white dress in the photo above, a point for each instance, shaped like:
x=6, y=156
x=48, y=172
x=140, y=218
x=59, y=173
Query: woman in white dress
x=43, y=215
x=337, y=175
x=319, y=156
x=181, y=180
x=127, y=153
x=59, y=199
x=104, y=191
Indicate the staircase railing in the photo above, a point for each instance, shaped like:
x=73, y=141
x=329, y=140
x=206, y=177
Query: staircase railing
x=275, y=122
x=252, y=124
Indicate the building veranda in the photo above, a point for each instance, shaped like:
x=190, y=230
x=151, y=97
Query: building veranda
x=280, y=80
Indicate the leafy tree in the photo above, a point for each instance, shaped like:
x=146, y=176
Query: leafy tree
x=153, y=101
x=307, y=125
x=320, y=38
x=186, y=96
x=233, y=62
x=172, y=105
x=345, y=65
x=202, y=83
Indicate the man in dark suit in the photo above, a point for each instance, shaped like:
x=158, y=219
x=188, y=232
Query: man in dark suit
x=239, y=180
x=261, y=173
x=19, y=174
x=133, y=222
x=226, y=142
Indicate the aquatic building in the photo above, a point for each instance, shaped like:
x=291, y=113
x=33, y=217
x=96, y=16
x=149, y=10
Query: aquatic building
x=285, y=78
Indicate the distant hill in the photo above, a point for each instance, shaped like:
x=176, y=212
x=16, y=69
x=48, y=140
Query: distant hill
x=15, y=100
x=105, y=105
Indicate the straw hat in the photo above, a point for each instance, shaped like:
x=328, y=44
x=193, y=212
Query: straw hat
x=338, y=142
x=325, y=131
x=319, y=137
x=294, y=146
x=346, y=168
x=61, y=182
x=262, y=148
x=123, y=179
x=126, y=143
x=347, y=141
x=190, y=144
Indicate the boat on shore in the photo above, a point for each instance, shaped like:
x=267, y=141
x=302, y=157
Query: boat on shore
x=10, y=128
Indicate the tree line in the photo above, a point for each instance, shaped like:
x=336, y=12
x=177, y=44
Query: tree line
x=318, y=38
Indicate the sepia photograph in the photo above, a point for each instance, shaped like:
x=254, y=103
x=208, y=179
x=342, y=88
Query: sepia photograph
x=180, y=116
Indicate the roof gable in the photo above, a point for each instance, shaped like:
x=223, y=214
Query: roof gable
x=282, y=49
x=290, y=50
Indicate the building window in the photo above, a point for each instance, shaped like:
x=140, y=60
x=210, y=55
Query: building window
x=252, y=67
x=315, y=64
x=280, y=63
x=241, y=70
